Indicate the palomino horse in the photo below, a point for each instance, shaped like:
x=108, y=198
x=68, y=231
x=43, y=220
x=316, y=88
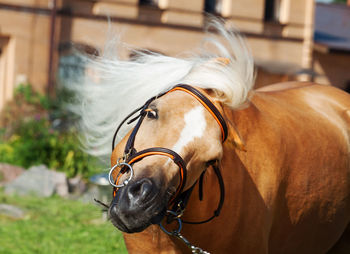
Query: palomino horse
x=287, y=189
x=266, y=171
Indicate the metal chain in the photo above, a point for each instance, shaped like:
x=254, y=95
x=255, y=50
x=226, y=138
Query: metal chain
x=177, y=234
x=194, y=249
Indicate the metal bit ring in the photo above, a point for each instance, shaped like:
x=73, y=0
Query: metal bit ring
x=110, y=178
x=175, y=232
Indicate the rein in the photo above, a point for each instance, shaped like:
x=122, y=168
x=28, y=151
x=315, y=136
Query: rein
x=180, y=199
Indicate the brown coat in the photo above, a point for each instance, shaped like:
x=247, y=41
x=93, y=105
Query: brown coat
x=288, y=192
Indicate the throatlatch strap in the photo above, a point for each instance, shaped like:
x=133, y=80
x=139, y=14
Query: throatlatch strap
x=221, y=201
x=200, y=185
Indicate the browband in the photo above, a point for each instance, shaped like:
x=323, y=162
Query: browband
x=207, y=104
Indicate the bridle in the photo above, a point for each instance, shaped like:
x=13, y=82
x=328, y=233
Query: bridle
x=179, y=200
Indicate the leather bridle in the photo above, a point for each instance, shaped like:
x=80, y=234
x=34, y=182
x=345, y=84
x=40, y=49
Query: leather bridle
x=179, y=199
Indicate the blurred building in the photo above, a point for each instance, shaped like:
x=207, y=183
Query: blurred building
x=36, y=35
x=331, y=56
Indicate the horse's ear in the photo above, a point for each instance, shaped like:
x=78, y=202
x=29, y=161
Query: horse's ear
x=234, y=138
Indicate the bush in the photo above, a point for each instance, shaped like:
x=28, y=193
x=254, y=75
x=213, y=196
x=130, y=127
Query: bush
x=33, y=140
x=25, y=105
x=31, y=97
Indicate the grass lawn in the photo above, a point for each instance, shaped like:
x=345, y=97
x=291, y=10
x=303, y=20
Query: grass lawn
x=56, y=225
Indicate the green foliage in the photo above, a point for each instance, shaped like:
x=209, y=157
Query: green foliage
x=55, y=225
x=35, y=142
x=31, y=97
x=32, y=140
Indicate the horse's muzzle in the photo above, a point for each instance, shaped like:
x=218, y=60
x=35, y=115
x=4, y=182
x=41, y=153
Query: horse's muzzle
x=137, y=205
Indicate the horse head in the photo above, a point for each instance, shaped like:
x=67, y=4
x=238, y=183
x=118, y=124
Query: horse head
x=175, y=127
x=175, y=135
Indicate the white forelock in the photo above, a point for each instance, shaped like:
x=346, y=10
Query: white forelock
x=112, y=87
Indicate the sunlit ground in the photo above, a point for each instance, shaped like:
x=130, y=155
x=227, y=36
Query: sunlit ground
x=56, y=225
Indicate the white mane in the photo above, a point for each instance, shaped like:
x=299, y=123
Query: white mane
x=114, y=87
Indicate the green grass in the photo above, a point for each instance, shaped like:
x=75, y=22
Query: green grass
x=56, y=225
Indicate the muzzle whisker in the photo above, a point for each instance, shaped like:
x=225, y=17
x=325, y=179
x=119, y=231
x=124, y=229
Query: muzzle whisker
x=102, y=204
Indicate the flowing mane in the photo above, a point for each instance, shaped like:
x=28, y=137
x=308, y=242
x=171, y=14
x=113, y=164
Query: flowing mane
x=114, y=87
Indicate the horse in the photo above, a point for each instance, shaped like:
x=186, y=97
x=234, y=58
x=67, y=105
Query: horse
x=250, y=171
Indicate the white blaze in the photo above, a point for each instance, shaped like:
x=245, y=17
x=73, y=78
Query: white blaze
x=195, y=125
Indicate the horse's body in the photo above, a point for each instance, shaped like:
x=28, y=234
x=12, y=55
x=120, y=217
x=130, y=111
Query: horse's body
x=288, y=192
x=283, y=151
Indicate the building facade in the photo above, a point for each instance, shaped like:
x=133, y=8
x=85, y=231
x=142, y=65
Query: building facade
x=36, y=36
x=331, y=55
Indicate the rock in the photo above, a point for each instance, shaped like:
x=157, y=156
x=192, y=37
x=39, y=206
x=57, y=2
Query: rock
x=77, y=185
x=9, y=172
x=11, y=211
x=91, y=193
x=61, y=183
x=102, y=193
x=40, y=181
x=100, y=179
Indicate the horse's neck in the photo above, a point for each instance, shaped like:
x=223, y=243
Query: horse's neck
x=198, y=210
x=152, y=240
x=242, y=194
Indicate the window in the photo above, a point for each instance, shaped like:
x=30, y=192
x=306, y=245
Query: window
x=276, y=11
x=71, y=66
x=213, y=6
x=149, y=2
x=271, y=10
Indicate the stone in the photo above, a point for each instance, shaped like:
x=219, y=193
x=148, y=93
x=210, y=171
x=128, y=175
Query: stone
x=102, y=193
x=40, y=181
x=9, y=172
x=77, y=185
x=61, y=184
x=11, y=211
x=89, y=196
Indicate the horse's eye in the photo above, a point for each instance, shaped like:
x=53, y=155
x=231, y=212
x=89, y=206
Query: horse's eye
x=152, y=114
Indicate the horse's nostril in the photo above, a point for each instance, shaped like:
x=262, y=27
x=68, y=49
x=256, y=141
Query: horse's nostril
x=140, y=190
